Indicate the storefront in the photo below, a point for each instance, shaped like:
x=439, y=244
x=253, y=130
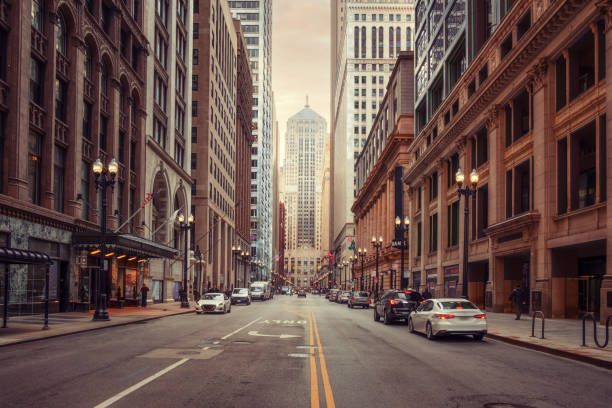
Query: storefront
x=432, y=281
x=451, y=279
x=416, y=281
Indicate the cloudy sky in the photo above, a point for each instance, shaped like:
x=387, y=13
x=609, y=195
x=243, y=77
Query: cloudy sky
x=300, y=58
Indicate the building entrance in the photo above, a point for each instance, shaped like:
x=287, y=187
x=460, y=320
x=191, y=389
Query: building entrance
x=590, y=276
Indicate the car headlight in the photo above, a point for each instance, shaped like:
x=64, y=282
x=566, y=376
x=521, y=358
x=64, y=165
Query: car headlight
x=219, y=304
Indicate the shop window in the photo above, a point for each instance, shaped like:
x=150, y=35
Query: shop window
x=523, y=25
x=433, y=232
x=560, y=82
x=582, y=65
x=506, y=46
x=583, y=167
x=562, y=176
x=452, y=224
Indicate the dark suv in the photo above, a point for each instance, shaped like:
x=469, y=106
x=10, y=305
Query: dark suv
x=396, y=304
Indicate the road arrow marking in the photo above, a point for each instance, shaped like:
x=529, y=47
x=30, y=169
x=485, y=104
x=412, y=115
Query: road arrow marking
x=281, y=336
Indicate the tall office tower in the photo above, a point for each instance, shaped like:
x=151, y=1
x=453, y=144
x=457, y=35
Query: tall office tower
x=303, y=171
x=367, y=37
x=168, y=28
x=275, y=187
x=214, y=138
x=256, y=20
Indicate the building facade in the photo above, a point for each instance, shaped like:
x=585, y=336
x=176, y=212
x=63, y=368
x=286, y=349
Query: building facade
x=518, y=93
x=81, y=76
x=367, y=37
x=168, y=28
x=244, y=143
x=256, y=20
x=214, y=152
x=381, y=194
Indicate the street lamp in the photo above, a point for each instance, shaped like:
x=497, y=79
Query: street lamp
x=259, y=270
x=466, y=192
x=185, y=226
x=236, y=250
x=377, y=245
x=104, y=178
x=353, y=261
x=402, y=229
x=362, y=254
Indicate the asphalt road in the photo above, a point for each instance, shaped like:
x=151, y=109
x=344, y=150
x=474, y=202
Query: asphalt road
x=288, y=352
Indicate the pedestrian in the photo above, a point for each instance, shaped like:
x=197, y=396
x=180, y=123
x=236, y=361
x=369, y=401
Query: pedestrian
x=134, y=292
x=196, y=295
x=144, y=291
x=426, y=294
x=517, y=296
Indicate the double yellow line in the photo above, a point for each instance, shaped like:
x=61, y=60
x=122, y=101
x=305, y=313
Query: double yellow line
x=314, y=380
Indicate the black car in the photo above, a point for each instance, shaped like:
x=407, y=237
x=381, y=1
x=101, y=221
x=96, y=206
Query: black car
x=301, y=292
x=396, y=305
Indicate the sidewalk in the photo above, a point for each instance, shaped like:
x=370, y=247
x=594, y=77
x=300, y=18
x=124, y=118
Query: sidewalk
x=29, y=328
x=561, y=337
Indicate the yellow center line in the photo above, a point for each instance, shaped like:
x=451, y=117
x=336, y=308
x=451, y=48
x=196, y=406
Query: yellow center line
x=314, y=381
x=329, y=396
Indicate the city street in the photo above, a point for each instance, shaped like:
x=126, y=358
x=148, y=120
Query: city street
x=288, y=352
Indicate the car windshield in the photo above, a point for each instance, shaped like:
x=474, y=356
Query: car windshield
x=240, y=292
x=256, y=289
x=413, y=296
x=361, y=294
x=213, y=296
x=457, y=305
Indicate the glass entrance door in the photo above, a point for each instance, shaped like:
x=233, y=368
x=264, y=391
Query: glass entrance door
x=589, y=289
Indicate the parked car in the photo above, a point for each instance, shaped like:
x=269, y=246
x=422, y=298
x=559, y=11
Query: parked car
x=343, y=296
x=241, y=295
x=332, y=295
x=447, y=316
x=284, y=290
x=301, y=293
x=213, y=302
x=358, y=299
x=396, y=304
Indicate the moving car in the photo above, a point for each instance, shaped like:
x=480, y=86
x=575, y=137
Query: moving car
x=241, y=295
x=213, y=302
x=332, y=295
x=396, y=304
x=358, y=299
x=284, y=290
x=446, y=316
x=343, y=296
x=301, y=292
x=261, y=290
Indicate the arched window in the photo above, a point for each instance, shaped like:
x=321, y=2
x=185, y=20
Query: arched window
x=381, y=44
x=408, y=38
x=61, y=36
x=390, y=42
x=356, y=35
x=88, y=64
x=398, y=42
x=104, y=80
x=374, y=45
x=363, y=42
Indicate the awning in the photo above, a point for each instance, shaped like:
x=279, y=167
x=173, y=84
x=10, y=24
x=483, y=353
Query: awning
x=23, y=256
x=123, y=243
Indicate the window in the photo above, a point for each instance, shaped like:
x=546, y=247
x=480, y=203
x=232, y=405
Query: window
x=161, y=49
x=381, y=46
x=35, y=167
x=522, y=189
x=562, y=176
x=391, y=44
x=408, y=38
x=161, y=10
x=436, y=95
x=180, y=119
x=480, y=212
x=37, y=15
x=433, y=186
x=506, y=46
x=59, y=170
x=37, y=76
x=106, y=18
x=457, y=65
x=452, y=223
x=180, y=11
x=61, y=94
x=482, y=153
x=159, y=132
x=179, y=154
x=196, y=30
x=61, y=35
x=103, y=133
x=433, y=232
x=87, y=120
x=356, y=39
x=194, y=161
x=520, y=113
x=560, y=82
x=582, y=65
x=452, y=167
x=180, y=82
x=181, y=44
x=196, y=56
x=160, y=92
x=583, y=167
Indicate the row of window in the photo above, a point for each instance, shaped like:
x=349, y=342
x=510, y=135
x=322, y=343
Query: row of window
x=377, y=42
x=381, y=17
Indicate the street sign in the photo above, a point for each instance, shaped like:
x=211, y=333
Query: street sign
x=398, y=243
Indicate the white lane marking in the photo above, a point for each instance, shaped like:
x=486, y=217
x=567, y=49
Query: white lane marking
x=282, y=336
x=243, y=327
x=206, y=348
x=216, y=342
x=141, y=384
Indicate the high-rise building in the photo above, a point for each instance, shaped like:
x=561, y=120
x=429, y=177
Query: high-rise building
x=214, y=145
x=168, y=28
x=256, y=20
x=367, y=37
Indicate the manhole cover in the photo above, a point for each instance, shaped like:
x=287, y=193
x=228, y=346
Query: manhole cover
x=188, y=352
x=504, y=405
x=241, y=342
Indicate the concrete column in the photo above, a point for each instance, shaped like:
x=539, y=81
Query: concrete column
x=442, y=216
x=496, y=192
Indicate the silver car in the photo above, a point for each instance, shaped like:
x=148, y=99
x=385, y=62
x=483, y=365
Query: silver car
x=446, y=316
x=358, y=299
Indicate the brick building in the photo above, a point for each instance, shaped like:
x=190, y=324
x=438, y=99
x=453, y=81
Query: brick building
x=520, y=96
x=72, y=92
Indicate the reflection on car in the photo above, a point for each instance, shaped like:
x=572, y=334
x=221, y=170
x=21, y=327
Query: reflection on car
x=446, y=316
x=213, y=302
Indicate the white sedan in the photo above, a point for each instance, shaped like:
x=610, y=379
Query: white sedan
x=439, y=317
x=213, y=302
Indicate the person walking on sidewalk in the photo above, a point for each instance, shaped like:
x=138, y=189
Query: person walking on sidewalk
x=144, y=291
x=517, y=296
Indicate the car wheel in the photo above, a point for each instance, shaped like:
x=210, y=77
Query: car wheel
x=429, y=331
x=387, y=320
x=376, y=316
x=410, y=325
x=478, y=337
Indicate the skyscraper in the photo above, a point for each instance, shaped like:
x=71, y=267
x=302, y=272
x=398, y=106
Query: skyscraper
x=256, y=20
x=366, y=40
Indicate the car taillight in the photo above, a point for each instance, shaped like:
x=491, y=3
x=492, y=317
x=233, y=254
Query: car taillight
x=393, y=302
x=480, y=316
x=353, y=298
x=444, y=316
x=421, y=301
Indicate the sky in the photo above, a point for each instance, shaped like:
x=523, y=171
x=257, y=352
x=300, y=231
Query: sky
x=300, y=59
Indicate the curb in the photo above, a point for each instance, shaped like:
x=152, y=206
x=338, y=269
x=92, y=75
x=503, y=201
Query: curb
x=93, y=329
x=553, y=351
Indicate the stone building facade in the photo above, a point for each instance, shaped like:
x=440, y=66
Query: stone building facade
x=524, y=103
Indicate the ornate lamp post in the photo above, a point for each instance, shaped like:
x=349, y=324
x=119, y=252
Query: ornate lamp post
x=259, y=270
x=466, y=192
x=344, y=271
x=377, y=245
x=104, y=178
x=362, y=254
x=236, y=250
x=402, y=229
x=185, y=226
x=353, y=261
